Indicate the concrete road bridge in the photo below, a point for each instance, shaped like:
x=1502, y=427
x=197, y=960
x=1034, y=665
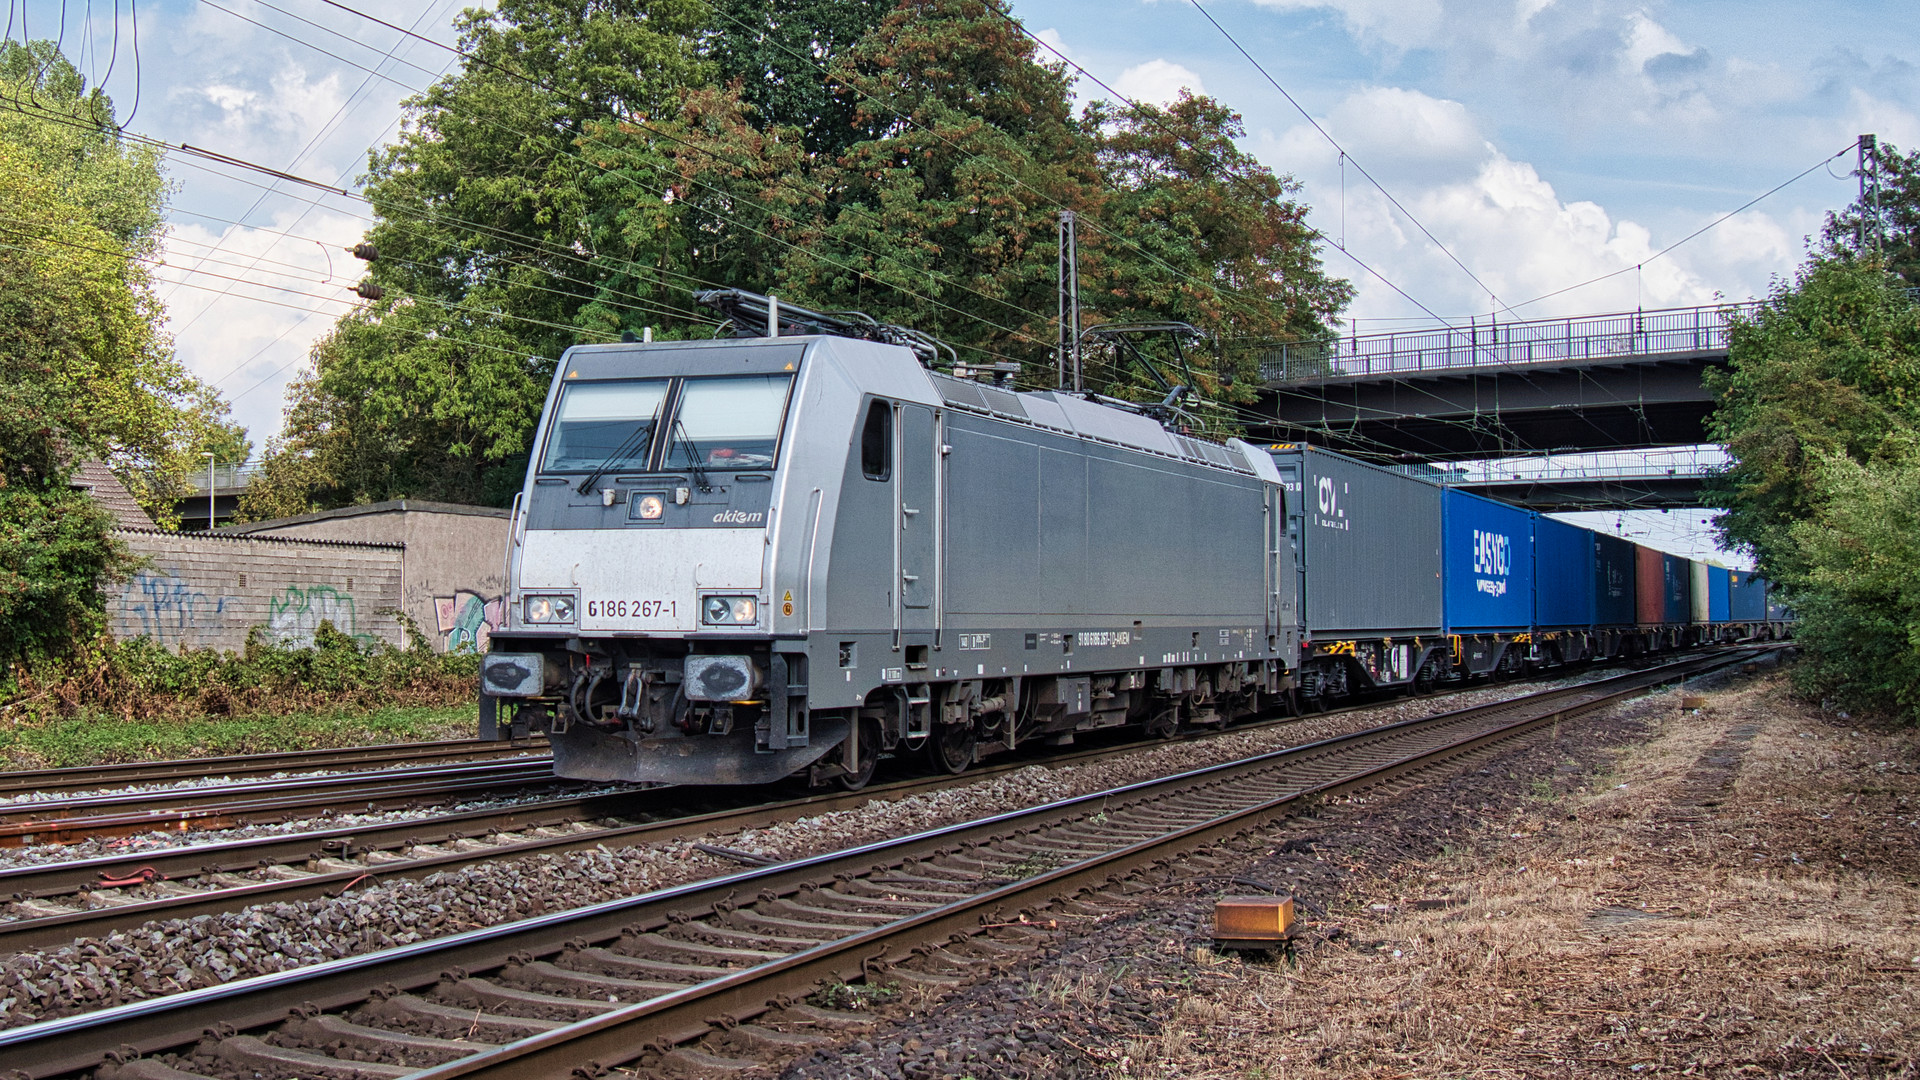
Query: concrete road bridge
x=1619, y=381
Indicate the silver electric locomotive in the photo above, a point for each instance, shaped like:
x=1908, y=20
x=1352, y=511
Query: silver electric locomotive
x=747, y=558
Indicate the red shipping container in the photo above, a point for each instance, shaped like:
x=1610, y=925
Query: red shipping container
x=1649, y=586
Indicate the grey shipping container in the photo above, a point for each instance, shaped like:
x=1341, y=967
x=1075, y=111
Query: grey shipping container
x=1369, y=545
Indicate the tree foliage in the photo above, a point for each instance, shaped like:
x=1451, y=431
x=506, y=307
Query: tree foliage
x=594, y=164
x=82, y=224
x=85, y=370
x=1820, y=410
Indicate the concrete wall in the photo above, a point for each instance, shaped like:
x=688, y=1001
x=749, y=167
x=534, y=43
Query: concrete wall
x=205, y=590
x=453, y=582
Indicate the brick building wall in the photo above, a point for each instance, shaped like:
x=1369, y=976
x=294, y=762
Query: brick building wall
x=453, y=582
x=203, y=590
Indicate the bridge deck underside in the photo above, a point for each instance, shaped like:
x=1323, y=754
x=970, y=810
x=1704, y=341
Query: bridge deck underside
x=1612, y=493
x=1635, y=403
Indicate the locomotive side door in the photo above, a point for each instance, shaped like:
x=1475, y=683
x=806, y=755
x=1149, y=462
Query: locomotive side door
x=917, y=519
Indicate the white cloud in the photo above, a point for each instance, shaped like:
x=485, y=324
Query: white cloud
x=1158, y=82
x=1398, y=24
x=1502, y=220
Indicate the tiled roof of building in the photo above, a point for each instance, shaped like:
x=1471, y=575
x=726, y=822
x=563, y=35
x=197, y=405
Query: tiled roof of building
x=97, y=480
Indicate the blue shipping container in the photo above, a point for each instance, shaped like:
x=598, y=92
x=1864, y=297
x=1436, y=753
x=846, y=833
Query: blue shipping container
x=1563, y=577
x=1719, y=580
x=1487, y=556
x=1747, y=597
x=1613, y=600
x=1678, y=589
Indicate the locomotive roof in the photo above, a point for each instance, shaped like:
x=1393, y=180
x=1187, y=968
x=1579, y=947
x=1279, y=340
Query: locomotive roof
x=1067, y=413
x=1046, y=409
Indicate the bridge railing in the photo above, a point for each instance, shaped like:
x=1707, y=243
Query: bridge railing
x=1496, y=344
x=1597, y=466
x=225, y=477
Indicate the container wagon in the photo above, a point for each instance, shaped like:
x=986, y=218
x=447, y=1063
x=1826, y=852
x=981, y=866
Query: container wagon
x=1566, y=592
x=1367, y=545
x=1488, y=583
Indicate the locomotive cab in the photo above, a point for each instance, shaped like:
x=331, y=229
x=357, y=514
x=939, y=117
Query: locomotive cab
x=643, y=560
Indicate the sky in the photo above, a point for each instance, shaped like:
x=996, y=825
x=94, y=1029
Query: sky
x=1530, y=145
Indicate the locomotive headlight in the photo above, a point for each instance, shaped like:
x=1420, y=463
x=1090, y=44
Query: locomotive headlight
x=728, y=610
x=650, y=507
x=549, y=609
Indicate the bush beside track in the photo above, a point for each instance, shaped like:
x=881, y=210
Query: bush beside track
x=133, y=700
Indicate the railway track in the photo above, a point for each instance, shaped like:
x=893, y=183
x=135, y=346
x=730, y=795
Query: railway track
x=709, y=975
x=128, y=813
x=55, y=903
x=103, y=777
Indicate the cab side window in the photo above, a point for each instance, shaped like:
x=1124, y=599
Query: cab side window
x=876, y=442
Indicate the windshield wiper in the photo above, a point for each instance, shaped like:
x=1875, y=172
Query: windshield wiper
x=626, y=447
x=678, y=437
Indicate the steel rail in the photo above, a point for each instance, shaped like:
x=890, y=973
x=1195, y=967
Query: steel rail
x=228, y=806
x=108, y=881
x=55, y=1047
x=99, y=777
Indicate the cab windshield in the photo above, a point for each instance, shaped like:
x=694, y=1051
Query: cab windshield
x=605, y=425
x=654, y=425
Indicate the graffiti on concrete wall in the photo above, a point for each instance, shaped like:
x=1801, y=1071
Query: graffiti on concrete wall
x=468, y=620
x=168, y=609
x=295, y=613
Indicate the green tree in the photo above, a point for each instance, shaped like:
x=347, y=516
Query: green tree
x=84, y=206
x=772, y=48
x=500, y=244
x=1198, y=230
x=942, y=216
x=84, y=370
x=909, y=162
x=1820, y=411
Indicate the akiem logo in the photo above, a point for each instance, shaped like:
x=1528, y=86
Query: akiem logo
x=1493, y=555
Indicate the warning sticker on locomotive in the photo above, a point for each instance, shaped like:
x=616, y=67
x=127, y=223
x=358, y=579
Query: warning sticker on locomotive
x=975, y=642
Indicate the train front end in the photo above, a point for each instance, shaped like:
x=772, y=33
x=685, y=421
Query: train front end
x=645, y=631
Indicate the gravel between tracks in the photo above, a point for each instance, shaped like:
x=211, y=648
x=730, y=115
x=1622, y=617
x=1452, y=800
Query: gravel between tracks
x=167, y=957
x=1447, y=932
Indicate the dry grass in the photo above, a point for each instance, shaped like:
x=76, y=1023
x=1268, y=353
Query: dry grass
x=1719, y=906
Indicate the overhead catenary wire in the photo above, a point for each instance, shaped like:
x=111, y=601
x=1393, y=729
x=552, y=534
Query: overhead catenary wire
x=312, y=142
x=1152, y=117
x=1345, y=156
x=438, y=302
x=1743, y=208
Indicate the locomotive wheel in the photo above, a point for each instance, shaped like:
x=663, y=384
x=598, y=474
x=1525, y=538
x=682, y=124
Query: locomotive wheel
x=869, y=755
x=951, y=748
